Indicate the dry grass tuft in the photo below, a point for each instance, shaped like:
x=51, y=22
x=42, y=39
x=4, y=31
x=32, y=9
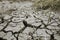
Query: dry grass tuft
x=45, y=4
x=15, y=0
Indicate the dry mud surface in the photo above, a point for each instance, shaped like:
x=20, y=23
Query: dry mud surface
x=19, y=21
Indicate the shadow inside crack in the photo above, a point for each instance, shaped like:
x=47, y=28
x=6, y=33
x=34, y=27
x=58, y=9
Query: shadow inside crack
x=2, y=38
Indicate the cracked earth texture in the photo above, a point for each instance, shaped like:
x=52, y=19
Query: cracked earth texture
x=19, y=21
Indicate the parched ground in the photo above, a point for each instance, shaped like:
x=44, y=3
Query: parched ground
x=19, y=21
